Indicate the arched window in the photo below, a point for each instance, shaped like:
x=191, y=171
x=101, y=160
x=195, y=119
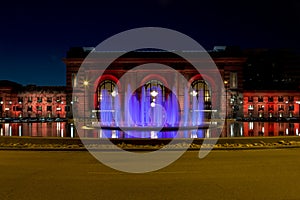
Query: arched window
x=155, y=85
x=107, y=85
x=200, y=86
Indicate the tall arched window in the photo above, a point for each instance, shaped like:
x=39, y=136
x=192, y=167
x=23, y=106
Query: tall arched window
x=156, y=85
x=107, y=85
x=199, y=86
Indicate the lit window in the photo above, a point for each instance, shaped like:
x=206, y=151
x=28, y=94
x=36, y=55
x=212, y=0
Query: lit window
x=233, y=80
x=39, y=99
x=20, y=100
x=39, y=108
x=74, y=79
x=29, y=108
x=280, y=107
x=250, y=107
x=58, y=99
x=261, y=108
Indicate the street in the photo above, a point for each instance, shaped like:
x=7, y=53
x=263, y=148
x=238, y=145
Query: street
x=242, y=174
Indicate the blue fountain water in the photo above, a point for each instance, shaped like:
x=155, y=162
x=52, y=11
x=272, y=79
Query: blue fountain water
x=144, y=110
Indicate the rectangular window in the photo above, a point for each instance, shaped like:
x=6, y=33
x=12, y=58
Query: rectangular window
x=270, y=99
x=49, y=99
x=250, y=99
x=58, y=99
x=261, y=108
x=260, y=99
x=39, y=108
x=280, y=99
x=280, y=107
x=271, y=108
x=75, y=99
x=29, y=99
x=250, y=107
x=19, y=108
x=58, y=109
x=20, y=100
x=67, y=108
x=233, y=80
x=39, y=99
x=291, y=98
x=291, y=107
x=49, y=108
x=74, y=79
x=29, y=108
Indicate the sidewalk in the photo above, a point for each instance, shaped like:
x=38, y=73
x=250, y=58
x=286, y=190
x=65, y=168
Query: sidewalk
x=36, y=143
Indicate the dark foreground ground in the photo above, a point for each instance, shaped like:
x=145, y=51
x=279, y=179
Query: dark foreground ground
x=233, y=174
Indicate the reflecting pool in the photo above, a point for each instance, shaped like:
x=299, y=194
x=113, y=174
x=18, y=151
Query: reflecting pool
x=234, y=129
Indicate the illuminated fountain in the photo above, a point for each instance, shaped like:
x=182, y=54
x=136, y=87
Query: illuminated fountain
x=150, y=114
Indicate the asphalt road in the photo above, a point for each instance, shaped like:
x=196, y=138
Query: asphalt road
x=246, y=174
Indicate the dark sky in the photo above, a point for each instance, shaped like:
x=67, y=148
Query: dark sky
x=34, y=36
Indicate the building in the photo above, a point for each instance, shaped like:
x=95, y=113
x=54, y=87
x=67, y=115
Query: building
x=230, y=63
x=17, y=101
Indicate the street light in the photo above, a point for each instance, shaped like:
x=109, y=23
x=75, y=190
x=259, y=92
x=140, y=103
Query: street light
x=226, y=87
x=85, y=84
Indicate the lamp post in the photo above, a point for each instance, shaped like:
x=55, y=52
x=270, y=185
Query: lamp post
x=85, y=84
x=226, y=87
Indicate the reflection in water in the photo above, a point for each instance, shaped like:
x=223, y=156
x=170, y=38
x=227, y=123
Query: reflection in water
x=51, y=129
x=234, y=129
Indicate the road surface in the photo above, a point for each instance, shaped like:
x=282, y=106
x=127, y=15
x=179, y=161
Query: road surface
x=246, y=174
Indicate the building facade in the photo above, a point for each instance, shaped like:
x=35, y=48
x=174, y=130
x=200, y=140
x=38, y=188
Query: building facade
x=17, y=101
x=230, y=66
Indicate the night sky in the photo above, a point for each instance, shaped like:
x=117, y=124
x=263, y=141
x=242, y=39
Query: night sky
x=35, y=36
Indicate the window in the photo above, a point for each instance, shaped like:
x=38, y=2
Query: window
x=74, y=79
x=270, y=99
x=261, y=108
x=39, y=99
x=108, y=86
x=58, y=109
x=67, y=108
x=250, y=99
x=233, y=80
x=20, y=100
x=271, y=108
x=49, y=108
x=250, y=107
x=291, y=98
x=260, y=99
x=201, y=86
x=280, y=99
x=280, y=107
x=39, y=108
x=291, y=107
x=29, y=108
x=29, y=99
x=58, y=99
x=49, y=99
